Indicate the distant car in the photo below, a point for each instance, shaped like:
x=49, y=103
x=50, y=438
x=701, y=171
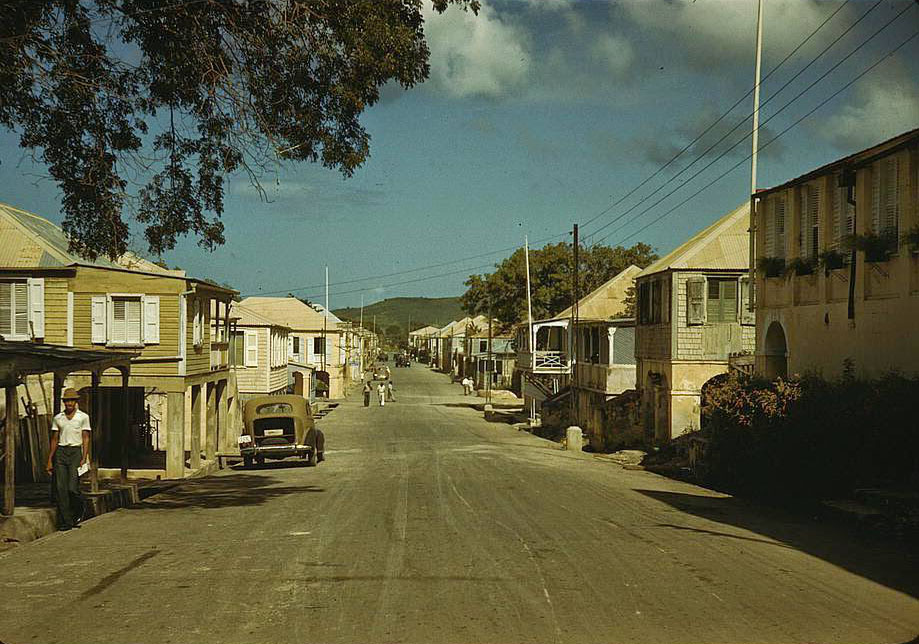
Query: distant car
x=280, y=426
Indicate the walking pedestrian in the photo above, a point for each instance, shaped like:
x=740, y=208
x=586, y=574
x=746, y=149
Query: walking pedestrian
x=70, y=432
x=467, y=386
x=367, y=392
x=381, y=394
x=389, y=391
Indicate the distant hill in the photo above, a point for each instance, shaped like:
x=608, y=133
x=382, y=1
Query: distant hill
x=422, y=311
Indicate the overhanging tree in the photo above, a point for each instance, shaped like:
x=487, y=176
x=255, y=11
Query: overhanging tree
x=178, y=95
x=551, y=268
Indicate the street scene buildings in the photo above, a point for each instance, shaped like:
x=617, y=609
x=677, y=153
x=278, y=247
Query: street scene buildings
x=602, y=352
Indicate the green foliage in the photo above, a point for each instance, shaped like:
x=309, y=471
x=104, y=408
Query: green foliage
x=877, y=248
x=420, y=311
x=832, y=259
x=551, y=268
x=800, y=266
x=228, y=85
x=771, y=266
x=910, y=238
x=810, y=438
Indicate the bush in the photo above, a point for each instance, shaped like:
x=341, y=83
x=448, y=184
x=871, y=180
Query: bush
x=810, y=438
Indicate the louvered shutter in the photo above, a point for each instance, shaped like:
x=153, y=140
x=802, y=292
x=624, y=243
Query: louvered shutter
x=769, y=228
x=37, y=307
x=813, y=220
x=21, y=309
x=779, y=216
x=876, y=197
x=6, y=308
x=133, y=321
x=151, y=305
x=891, y=197
x=251, y=348
x=196, y=322
x=99, y=319
x=695, y=295
x=290, y=346
x=747, y=316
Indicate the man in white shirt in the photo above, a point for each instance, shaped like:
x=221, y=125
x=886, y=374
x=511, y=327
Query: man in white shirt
x=70, y=432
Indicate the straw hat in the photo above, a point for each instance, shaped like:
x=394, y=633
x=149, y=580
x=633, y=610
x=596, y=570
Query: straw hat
x=70, y=394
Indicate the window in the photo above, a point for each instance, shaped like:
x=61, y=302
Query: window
x=318, y=346
x=775, y=226
x=483, y=346
x=14, y=309
x=238, y=348
x=296, y=345
x=197, y=322
x=722, y=300
x=127, y=320
x=843, y=212
x=885, y=197
x=808, y=221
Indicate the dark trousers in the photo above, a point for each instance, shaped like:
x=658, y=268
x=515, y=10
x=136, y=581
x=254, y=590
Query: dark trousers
x=67, y=485
x=366, y=399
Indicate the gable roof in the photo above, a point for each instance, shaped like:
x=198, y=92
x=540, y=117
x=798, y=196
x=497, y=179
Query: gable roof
x=607, y=300
x=30, y=241
x=247, y=317
x=724, y=245
x=425, y=331
x=290, y=312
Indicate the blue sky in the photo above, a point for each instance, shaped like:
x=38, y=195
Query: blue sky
x=541, y=114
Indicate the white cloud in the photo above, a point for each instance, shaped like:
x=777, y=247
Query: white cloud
x=615, y=52
x=718, y=32
x=882, y=107
x=473, y=55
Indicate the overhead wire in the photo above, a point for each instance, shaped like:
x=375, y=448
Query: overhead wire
x=747, y=135
x=773, y=139
x=711, y=147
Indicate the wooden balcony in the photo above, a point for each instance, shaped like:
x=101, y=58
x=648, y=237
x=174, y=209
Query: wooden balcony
x=220, y=355
x=606, y=378
x=553, y=362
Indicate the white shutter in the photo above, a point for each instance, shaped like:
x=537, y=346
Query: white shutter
x=779, y=215
x=151, y=305
x=37, y=307
x=133, y=321
x=876, y=197
x=69, y=318
x=290, y=346
x=328, y=348
x=769, y=228
x=251, y=348
x=891, y=205
x=6, y=308
x=21, y=309
x=695, y=295
x=196, y=321
x=99, y=319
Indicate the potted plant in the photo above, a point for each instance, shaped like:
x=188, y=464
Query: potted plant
x=832, y=259
x=877, y=248
x=771, y=266
x=910, y=239
x=800, y=266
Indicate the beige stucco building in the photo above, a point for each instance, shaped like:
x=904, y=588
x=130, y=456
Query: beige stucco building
x=693, y=313
x=836, y=305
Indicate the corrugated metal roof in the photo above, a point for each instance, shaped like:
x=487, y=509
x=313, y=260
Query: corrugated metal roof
x=606, y=300
x=290, y=312
x=724, y=245
x=247, y=317
x=30, y=241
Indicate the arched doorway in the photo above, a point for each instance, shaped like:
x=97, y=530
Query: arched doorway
x=775, y=350
x=322, y=384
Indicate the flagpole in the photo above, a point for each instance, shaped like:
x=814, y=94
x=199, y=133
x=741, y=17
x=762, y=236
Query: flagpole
x=532, y=342
x=753, y=156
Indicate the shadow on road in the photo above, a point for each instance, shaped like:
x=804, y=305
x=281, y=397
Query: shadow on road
x=881, y=560
x=222, y=492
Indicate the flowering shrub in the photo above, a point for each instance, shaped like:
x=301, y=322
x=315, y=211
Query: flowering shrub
x=810, y=438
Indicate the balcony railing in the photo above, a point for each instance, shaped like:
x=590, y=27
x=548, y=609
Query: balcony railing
x=546, y=361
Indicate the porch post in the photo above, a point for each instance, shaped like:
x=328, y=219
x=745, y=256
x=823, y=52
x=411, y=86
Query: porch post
x=194, y=461
x=223, y=416
x=210, y=436
x=125, y=421
x=95, y=435
x=57, y=392
x=11, y=431
x=175, y=435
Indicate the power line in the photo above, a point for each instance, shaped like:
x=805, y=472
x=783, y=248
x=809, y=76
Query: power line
x=742, y=121
x=773, y=139
x=742, y=139
x=720, y=118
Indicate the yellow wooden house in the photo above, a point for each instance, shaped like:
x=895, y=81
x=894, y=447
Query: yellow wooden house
x=181, y=392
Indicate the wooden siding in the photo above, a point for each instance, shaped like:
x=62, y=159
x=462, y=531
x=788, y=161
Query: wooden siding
x=56, y=310
x=91, y=281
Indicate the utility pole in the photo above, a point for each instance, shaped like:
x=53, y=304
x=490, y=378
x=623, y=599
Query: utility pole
x=325, y=323
x=574, y=328
x=490, y=367
x=753, y=157
x=532, y=340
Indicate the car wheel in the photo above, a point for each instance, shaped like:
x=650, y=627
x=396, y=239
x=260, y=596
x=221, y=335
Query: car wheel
x=311, y=462
x=260, y=460
x=247, y=461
